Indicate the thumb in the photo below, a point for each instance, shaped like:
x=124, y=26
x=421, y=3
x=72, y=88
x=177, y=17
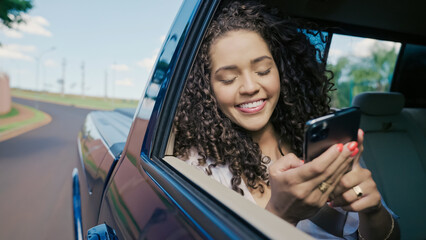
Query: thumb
x=288, y=162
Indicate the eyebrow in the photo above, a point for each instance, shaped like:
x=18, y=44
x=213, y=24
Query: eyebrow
x=259, y=59
x=233, y=67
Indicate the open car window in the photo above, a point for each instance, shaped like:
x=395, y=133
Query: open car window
x=360, y=65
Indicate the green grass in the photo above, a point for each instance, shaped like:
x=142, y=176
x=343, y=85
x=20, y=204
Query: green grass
x=75, y=100
x=11, y=113
x=38, y=116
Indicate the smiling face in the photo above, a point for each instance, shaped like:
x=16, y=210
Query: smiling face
x=244, y=79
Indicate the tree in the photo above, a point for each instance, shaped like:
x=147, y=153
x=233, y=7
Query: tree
x=338, y=99
x=10, y=11
x=375, y=71
x=355, y=75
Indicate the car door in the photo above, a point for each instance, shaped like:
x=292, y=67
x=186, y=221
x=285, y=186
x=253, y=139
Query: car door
x=145, y=198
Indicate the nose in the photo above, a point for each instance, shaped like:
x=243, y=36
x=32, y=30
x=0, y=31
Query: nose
x=249, y=85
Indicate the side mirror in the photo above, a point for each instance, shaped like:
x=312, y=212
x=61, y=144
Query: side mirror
x=101, y=232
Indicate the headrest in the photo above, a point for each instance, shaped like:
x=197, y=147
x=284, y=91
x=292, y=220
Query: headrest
x=379, y=103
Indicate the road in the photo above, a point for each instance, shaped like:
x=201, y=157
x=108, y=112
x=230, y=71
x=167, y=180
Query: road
x=35, y=176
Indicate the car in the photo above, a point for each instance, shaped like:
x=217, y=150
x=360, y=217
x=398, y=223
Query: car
x=130, y=186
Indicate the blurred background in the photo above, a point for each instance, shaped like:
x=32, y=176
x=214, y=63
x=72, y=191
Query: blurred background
x=59, y=60
x=94, y=48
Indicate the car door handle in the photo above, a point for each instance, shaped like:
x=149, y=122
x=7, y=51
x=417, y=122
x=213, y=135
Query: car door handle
x=101, y=232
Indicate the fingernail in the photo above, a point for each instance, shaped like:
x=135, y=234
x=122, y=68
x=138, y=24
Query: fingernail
x=362, y=132
x=355, y=152
x=352, y=145
x=303, y=161
x=330, y=204
x=340, y=147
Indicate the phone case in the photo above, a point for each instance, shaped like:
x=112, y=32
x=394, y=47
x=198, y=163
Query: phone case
x=321, y=133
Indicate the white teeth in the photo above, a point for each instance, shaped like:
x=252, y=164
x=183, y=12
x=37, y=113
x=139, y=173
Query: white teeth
x=251, y=105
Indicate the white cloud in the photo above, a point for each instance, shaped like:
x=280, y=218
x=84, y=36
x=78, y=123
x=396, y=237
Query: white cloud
x=32, y=25
x=148, y=63
x=125, y=82
x=334, y=54
x=35, y=25
x=119, y=67
x=50, y=63
x=364, y=47
x=12, y=33
x=22, y=48
x=16, y=51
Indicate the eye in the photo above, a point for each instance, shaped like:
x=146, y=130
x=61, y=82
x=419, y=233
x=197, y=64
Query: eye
x=264, y=73
x=228, y=81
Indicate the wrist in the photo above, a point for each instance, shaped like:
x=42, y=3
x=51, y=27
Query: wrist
x=280, y=213
x=373, y=210
x=376, y=223
x=388, y=234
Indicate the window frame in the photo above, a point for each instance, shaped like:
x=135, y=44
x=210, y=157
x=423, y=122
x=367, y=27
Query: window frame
x=204, y=210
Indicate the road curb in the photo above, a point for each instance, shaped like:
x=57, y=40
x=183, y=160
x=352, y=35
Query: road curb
x=16, y=132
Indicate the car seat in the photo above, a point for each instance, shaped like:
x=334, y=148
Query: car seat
x=395, y=153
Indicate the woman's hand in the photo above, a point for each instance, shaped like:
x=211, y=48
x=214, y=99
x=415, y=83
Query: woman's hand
x=375, y=221
x=295, y=191
x=360, y=179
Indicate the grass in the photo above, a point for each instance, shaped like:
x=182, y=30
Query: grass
x=11, y=113
x=38, y=116
x=76, y=100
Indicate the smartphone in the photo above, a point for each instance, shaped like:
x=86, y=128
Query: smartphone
x=338, y=127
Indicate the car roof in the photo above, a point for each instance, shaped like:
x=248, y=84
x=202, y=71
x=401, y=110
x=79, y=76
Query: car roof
x=402, y=21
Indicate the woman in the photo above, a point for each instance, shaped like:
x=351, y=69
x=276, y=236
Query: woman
x=255, y=82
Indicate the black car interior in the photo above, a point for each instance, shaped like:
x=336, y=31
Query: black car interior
x=394, y=151
x=394, y=122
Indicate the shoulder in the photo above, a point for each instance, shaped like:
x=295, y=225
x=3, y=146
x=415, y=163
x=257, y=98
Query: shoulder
x=219, y=173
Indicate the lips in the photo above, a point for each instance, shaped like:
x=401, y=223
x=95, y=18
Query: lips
x=251, y=107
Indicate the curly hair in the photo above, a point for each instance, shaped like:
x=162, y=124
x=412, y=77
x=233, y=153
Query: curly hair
x=200, y=124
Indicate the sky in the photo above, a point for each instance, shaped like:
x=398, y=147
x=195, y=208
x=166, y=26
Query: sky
x=110, y=46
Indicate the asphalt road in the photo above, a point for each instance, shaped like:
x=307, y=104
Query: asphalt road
x=35, y=176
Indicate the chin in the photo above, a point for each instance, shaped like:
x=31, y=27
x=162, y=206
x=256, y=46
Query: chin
x=253, y=127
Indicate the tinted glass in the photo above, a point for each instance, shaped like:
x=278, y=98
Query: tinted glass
x=359, y=65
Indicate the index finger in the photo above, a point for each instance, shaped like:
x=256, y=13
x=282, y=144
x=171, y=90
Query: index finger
x=317, y=166
x=360, y=144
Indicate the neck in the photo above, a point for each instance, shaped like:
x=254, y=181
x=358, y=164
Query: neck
x=268, y=140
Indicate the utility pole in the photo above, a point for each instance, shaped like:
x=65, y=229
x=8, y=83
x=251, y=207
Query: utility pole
x=113, y=82
x=64, y=64
x=106, y=85
x=38, y=60
x=82, y=79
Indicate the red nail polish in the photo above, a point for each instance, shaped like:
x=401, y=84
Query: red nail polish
x=330, y=204
x=355, y=152
x=303, y=161
x=340, y=147
x=352, y=145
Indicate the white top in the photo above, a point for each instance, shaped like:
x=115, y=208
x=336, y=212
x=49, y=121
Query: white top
x=224, y=176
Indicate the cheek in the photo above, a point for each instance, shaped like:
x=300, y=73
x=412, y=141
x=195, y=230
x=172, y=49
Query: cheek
x=274, y=84
x=224, y=96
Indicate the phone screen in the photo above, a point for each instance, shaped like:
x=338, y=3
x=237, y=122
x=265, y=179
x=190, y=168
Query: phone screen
x=321, y=133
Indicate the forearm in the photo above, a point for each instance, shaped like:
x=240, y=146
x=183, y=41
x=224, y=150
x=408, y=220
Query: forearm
x=281, y=213
x=378, y=224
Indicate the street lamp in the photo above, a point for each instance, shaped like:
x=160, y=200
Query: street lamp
x=38, y=63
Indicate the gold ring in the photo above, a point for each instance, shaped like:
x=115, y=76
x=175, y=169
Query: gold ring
x=358, y=191
x=323, y=187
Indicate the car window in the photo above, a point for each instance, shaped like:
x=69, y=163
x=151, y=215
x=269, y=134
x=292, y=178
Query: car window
x=359, y=65
x=321, y=41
